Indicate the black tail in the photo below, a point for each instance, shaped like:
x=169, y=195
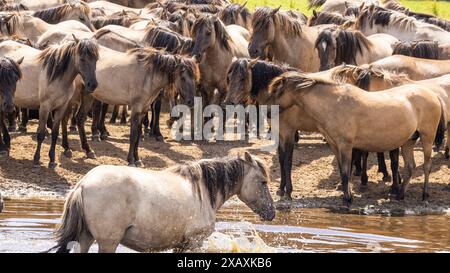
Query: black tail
x=440, y=134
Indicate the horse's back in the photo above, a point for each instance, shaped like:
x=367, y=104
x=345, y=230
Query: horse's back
x=240, y=37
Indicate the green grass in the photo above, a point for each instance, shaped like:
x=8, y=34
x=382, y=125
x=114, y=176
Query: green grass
x=439, y=8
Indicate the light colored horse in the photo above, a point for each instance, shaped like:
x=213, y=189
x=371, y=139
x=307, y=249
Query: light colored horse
x=338, y=5
x=41, y=4
x=374, y=20
x=289, y=41
x=415, y=68
x=22, y=25
x=337, y=46
x=48, y=81
x=10, y=74
x=215, y=45
x=141, y=74
x=369, y=121
x=323, y=18
x=73, y=10
x=373, y=79
x=153, y=211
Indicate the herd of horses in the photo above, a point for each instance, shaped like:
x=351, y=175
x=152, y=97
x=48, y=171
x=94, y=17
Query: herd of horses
x=369, y=76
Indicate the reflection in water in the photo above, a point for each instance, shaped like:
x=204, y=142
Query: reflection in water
x=26, y=226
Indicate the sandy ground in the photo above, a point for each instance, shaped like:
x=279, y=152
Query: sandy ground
x=315, y=172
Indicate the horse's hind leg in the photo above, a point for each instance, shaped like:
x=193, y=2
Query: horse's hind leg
x=427, y=146
x=357, y=163
x=24, y=120
x=4, y=137
x=447, y=149
x=86, y=240
x=73, y=121
x=101, y=123
x=345, y=166
x=123, y=119
x=394, y=156
x=364, y=177
x=107, y=246
x=12, y=121
x=382, y=167
x=408, y=158
x=114, y=114
x=135, y=134
x=285, y=153
x=154, y=124
x=96, y=112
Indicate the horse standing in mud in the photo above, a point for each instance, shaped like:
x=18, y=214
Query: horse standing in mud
x=10, y=74
x=215, y=45
x=145, y=72
x=365, y=121
x=48, y=82
x=152, y=211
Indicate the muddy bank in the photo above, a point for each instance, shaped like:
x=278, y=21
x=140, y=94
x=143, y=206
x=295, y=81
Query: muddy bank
x=315, y=173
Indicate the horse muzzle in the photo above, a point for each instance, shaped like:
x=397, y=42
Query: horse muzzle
x=90, y=86
x=268, y=215
x=7, y=107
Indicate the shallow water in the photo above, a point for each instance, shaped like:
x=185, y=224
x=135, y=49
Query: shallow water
x=26, y=226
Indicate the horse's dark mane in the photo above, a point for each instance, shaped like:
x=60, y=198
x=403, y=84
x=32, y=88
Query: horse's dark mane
x=219, y=28
x=282, y=21
x=10, y=71
x=162, y=38
x=296, y=80
x=348, y=43
x=219, y=175
x=120, y=21
x=419, y=49
x=165, y=62
x=57, y=59
x=173, y=6
x=230, y=13
x=10, y=23
x=54, y=15
x=263, y=73
x=329, y=18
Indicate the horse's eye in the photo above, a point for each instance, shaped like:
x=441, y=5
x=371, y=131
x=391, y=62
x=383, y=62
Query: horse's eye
x=264, y=182
x=81, y=18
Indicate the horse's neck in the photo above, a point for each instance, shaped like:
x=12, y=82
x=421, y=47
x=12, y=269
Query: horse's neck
x=34, y=28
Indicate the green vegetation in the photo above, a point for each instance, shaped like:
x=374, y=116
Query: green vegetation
x=439, y=8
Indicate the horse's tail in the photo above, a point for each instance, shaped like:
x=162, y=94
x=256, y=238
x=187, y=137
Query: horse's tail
x=440, y=134
x=73, y=224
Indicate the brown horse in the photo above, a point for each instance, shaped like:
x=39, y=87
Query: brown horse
x=337, y=46
x=289, y=41
x=236, y=14
x=10, y=74
x=365, y=120
x=323, y=18
x=215, y=45
x=141, y=75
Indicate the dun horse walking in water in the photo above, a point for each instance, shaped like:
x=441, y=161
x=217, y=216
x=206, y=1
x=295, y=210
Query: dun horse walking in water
x=337, y=46
x=10, y=74
x=365, y=121
x=153, y=211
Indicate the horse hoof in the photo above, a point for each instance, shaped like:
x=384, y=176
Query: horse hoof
x=12, y=129
x=357, y=173
x=95, y=138
x=73, y=129
x=91, y=155
x=394, y=191
x=22, y=129
x=4, y=154
x=52, y=165
x=68, y=153
x=285, y=198
x=386, y=178
x=400, y=196
x=280, y=193
x=159, y=138
x=425, y=196
x=104, y=136
x=348, y=201
x=37, y=164
x=139, y=164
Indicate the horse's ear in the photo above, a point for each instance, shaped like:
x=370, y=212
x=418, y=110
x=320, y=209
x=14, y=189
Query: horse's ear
x=346, y=4
x=124, y=12
x=248, y=157
x=371, y=8
x=253, y=62
x=243, y=6
x=314, y=13
x=29, y=43
x=362, y=6
x=75, y=38
x=19, y=61
x=276, y=10
x=9, y=17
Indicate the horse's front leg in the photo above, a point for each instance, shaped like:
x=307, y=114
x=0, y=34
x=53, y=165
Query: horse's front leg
x=123, y=118
x=394, y=156
x=101, y=123
x=12, y=121
x=65, y=139
x=407, y=151
x=154, y=124
x=96, y=112
x=80, y=117
x=285, y=153
x=44, y=112
x=357, y=157
x=24, y=120
x=447, y=149
x=114, y=114
x=382, y=167
x=345, y=162
x=57, y=118
x=135, y=134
